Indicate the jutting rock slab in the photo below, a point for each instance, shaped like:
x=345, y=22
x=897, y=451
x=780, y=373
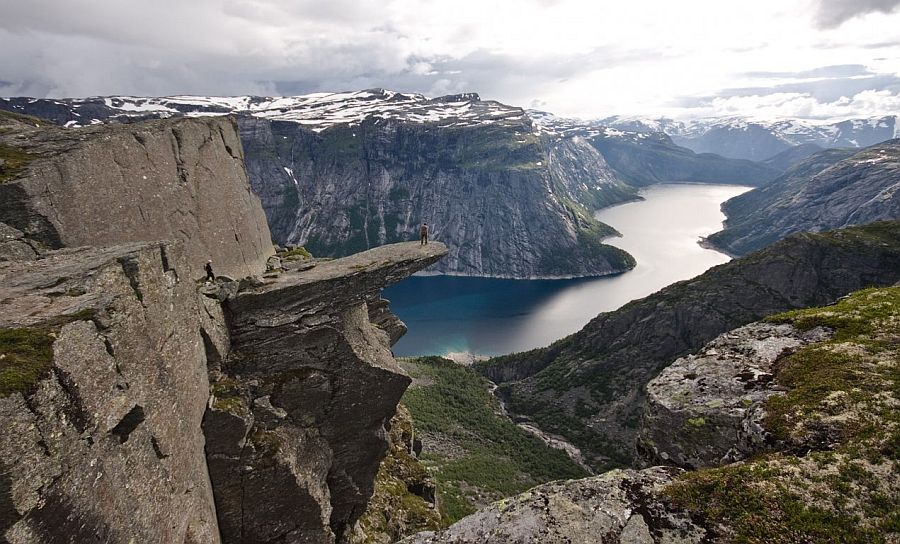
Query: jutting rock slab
x=295, y=427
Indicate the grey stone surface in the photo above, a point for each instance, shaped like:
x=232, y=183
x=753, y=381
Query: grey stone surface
x=706, y=409
x=296, y=423
x=621, y=506
x=106, y=445
x=178, y=179
x=13, y=246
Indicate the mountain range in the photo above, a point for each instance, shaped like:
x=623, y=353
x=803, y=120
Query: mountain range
x=758, y=140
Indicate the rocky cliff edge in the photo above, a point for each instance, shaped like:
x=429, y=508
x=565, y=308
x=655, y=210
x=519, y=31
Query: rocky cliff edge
x=139, y=406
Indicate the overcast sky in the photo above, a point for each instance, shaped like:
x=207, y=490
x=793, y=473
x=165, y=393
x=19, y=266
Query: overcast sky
x=588, y=58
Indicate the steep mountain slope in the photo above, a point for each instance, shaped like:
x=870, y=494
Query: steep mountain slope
x=792, y=157
x=644, y=156
x=832, y=189
x=348, y=171
x=588, y=387
x=757, y=140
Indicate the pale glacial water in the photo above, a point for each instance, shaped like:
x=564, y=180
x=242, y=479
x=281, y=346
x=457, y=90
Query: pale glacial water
x=485, y=316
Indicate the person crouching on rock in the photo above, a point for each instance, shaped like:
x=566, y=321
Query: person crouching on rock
x=423, y=233
x=209, y=273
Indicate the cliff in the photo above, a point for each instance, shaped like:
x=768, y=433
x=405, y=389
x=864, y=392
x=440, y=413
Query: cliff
x=138, y=405
x=589, y=386
x=832, y=189
x=508, y=201
x=160, y=180
x=102, y=394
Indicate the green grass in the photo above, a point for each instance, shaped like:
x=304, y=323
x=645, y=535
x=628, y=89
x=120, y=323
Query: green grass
x=295, y=254
x=498, y=459
x=26, y=355
x=838, y=429
x=14, y=162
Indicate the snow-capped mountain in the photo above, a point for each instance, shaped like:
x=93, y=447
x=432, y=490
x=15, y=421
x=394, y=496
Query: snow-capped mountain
x=759, y=140
x=642, y=153
x=317, y=111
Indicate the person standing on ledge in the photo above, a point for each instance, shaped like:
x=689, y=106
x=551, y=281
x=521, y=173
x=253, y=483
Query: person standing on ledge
x=423, y=233
x=209, y=273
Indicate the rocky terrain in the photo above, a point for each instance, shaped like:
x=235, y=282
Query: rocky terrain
x=589, y=387
x=139, y=405
x=174, y=180
x=343, y=172
x=790, y=425
x=829, y=190
x=760, y=140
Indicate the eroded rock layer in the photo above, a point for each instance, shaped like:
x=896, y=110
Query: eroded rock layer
x=159, y=180
x=296, y=424
x=103, y=390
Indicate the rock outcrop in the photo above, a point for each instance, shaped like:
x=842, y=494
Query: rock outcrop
x=588, y=387
x=111, y=430
x=829, y=190
x=706, y=409
x=621, y=506
x=160, y=180
x=102, y=390
x=296, y=421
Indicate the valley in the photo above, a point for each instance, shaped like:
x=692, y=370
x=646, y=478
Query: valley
x=481, y=316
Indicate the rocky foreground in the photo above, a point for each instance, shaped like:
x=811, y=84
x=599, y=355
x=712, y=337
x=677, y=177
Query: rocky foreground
x=138, y=404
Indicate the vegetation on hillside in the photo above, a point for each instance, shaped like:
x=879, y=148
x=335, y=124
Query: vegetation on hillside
x=475, y=453
x=835, y=476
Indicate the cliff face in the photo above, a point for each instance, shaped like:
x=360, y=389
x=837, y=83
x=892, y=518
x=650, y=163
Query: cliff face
x=134, y=408
x=296, y=422
x=588, y=387
x=103, y=390
x=508, y=201
x=166, y=180
x=832, y=189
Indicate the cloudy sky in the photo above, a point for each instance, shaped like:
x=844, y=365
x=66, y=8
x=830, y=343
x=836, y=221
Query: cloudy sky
x=821, y=59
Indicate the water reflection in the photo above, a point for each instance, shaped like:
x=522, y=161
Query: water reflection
x=493, y=316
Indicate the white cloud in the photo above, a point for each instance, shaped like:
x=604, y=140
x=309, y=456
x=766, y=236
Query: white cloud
x=793, y=105
x=576, y=57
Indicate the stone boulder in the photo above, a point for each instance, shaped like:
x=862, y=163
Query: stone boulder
x=706, y=409
x=620, y=506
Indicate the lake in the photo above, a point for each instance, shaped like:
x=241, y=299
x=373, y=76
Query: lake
x=487, y=316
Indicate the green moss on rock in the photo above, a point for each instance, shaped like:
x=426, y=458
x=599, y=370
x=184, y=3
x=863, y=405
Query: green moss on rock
x=836, y=474
x=26, y=355
x=12, y=162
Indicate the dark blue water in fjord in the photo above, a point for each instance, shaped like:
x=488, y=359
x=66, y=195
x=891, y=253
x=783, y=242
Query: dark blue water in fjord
x=487, y=316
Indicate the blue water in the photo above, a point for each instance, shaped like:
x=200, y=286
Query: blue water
x=486, y=316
